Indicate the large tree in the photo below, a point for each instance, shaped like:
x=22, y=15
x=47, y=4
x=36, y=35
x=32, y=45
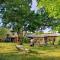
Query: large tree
x=18, y=15
x=15, y=13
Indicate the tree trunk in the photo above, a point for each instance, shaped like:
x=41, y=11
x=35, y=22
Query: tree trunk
x=20, y=35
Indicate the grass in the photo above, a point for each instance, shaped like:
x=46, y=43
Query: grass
x=8, y=51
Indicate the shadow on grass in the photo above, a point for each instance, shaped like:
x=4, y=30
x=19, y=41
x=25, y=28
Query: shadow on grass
x=17, y=56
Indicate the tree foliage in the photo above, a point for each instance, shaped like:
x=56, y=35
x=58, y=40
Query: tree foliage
x=19, y=15
x=53, y=9
x=3, y=32
x=16, y=12
x=51, y=6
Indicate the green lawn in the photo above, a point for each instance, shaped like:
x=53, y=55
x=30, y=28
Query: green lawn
x=8, y=51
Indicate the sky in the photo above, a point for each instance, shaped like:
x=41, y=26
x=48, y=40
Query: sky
x=0, y=22
x=47, y=30
x=34, y=4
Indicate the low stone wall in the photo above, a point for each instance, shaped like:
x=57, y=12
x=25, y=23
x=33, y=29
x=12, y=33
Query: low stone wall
x=44, y=40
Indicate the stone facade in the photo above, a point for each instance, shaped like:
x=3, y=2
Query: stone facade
x=43, y=38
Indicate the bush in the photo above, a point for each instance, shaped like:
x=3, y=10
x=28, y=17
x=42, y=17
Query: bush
x=3, y=32
x=59, y=42
x=25, y=40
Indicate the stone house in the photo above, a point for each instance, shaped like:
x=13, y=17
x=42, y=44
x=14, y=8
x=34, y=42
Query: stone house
x=44, y=38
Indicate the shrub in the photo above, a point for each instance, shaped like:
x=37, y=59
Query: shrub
x=59, y=42
x=25, y=40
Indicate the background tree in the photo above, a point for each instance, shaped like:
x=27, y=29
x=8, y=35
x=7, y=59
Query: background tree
x=53, y=9
x=51, y=6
